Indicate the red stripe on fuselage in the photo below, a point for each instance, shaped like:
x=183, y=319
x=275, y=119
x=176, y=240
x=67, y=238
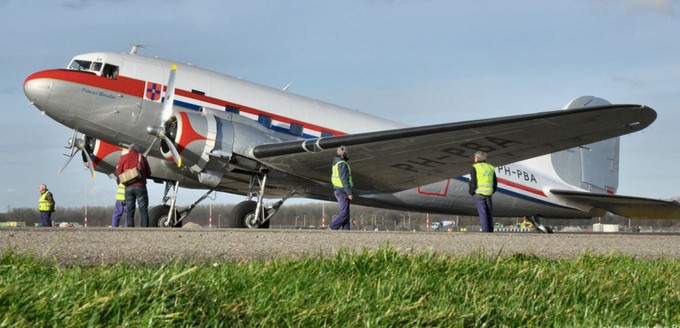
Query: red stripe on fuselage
x=121, y=85
x=137, y=88
x=522, y=187
x=500, y=181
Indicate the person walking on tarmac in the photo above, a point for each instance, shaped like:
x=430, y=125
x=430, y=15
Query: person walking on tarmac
x=342, y=187
x=119, y=207
x=483, y=185
x=45, y=205
x=135, y=190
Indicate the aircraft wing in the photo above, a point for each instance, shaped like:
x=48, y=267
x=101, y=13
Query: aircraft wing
x=630, y=207
x=394, y=160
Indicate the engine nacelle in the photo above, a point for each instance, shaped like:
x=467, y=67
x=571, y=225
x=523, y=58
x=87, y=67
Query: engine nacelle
x=104, y=155
x=201, y=139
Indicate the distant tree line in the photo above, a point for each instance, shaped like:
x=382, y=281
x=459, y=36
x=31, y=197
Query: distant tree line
x=311, y=215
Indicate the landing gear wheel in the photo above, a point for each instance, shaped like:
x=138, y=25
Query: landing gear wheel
x=158, y=217
x=536, y=221
x=243, y=216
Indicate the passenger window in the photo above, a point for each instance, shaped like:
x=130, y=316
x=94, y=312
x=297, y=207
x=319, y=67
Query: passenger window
x=265, y=120
x=232, y=109
x=296, y=129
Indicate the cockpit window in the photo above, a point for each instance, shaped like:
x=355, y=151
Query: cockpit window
x=80, y=65
x=110, y=71
x=99, y=68
x=95, y=66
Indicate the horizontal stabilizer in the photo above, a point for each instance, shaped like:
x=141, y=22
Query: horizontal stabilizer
x=628, y=206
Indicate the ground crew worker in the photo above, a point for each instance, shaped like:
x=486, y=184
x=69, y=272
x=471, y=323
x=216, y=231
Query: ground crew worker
x=342, y=188
x=45, y=205
x=119, y=207
x=135, y=191
x=482, y=185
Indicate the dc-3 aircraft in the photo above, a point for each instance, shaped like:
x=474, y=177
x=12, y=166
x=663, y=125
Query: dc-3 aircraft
x=205, y=130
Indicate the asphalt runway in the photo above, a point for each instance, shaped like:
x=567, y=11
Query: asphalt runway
x=95, y=246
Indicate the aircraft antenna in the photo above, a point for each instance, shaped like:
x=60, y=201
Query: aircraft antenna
x=136, y=47
x=285, y=89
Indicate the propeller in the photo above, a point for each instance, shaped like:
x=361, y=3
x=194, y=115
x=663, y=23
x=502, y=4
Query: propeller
x=169, y=95
x=160, y=132
x=78, y=144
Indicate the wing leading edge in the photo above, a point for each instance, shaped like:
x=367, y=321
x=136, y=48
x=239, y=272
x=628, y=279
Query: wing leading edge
x=394, y=160
x=628, y=206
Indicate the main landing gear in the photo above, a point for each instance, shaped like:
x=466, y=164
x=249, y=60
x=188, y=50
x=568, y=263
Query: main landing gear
x=536, y=221
x=168, y=216
x=254, y=214
x=247, y=214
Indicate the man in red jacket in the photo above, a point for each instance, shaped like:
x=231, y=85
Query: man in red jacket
x=135, y=190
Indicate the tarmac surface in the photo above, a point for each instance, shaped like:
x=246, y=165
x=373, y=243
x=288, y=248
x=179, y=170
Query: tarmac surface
x=96, y=246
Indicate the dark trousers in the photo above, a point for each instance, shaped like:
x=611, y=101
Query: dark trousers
x=46, y=219
x=341, y=221
x=485, y=210
x=118, y=211
x=140, y=194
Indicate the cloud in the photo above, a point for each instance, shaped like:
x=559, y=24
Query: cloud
x=662, y=7
x=83, y=4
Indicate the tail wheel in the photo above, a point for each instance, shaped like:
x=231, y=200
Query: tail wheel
x=158, y=217
x=243, y=216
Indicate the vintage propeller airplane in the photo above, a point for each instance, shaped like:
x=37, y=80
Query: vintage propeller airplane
x=205, y=130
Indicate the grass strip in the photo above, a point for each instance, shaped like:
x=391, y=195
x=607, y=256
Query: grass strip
x=383, y=288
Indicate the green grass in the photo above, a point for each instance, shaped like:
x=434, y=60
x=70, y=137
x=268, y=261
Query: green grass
x=382, y=288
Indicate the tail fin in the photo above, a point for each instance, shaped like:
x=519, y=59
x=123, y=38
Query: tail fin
x=593, y=167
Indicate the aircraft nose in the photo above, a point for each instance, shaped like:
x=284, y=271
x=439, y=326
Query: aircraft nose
x=37, y=90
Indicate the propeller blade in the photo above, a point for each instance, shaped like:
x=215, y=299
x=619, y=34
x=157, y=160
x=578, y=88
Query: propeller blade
x=173, y=150
x=67, y=161
x=169, y=95
x=89, y=163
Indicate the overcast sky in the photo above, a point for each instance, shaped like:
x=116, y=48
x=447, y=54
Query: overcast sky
x=417, y=62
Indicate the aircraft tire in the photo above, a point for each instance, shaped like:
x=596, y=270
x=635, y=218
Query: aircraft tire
x=158, y=216
x=544, y=229
x=242, y=213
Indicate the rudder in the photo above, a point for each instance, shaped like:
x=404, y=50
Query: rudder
x=593, y=167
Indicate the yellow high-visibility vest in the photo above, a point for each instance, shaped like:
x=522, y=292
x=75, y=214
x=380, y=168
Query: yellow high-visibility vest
x=120, y=193
x=43, y=204
x=485, y=174
x=335, y=177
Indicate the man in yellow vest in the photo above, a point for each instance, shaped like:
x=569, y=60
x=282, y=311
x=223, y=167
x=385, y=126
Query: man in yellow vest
x=483, y=184
x=45, y=205
x=342, y=187
x=119, y=207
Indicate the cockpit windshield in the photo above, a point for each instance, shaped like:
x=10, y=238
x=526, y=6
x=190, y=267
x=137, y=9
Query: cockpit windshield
x=85, y=65
x=96, y=67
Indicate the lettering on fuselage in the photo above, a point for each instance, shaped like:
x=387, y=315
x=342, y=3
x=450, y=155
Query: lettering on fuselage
x=98, y=93
x=464, y=150
x=516, y=173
